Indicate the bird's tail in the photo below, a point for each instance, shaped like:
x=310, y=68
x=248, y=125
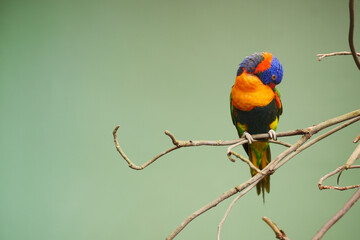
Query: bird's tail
x=260, y=156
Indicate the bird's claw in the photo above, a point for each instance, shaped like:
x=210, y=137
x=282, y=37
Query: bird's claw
x=272, y=134
x=248, y=137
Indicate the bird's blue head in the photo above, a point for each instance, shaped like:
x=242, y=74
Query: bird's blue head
x=266, y=66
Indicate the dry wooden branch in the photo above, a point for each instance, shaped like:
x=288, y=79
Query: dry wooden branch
x=272, y=166
x=355, y=155
x=231, y=205
x=251, y=165
x=280, y=234
x=351, y=33
x=337, y=216
x=338, y=170
x=356, y=139
x=350, y=40
x=190, y=143
x=323, y=55
x=243, y=188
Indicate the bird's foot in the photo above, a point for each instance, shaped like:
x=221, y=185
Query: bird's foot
x=248, y=137
x=272, y=134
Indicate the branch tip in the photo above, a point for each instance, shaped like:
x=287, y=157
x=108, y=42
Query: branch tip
x=280, y=234
x=356, y=139
x=116, y=129
x=170, y=135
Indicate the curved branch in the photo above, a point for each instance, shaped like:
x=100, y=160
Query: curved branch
x=190, y=143
x=351, y=33
x=131, y=164
x=285, y=156
x=337, y=216
x=339, y=169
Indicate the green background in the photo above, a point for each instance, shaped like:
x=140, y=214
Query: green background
x=70, y=71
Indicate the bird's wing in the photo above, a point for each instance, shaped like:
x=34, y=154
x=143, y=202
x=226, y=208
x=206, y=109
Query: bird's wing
x=232, y=111
x=278, y=101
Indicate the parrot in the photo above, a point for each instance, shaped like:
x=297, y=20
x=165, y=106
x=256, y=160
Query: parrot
x=255, y=108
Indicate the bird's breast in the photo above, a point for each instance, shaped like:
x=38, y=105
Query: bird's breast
x=249, y=92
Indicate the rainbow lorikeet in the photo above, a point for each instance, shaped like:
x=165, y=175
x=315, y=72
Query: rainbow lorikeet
x=255, y=107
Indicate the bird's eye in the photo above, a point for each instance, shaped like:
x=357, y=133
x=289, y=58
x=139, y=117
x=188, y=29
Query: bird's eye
x=273, y=77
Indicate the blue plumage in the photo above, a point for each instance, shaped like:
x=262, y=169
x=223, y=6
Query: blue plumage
x=273, y=74
x=250, y=63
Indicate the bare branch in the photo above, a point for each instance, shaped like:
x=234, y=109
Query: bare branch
x=179, y=144
x=280, y=234
x=248, y=184
x=231, y=205
x=272, y=166
x=323, y=55
x=317, y=139
x=251, y=165
x=337, y=216
x=356, y=139
x=350, y=39
x=280, y=142
x=339, y=169
x=355, y=155
x=131, y=164
x=351, y=33
x=197, y=213
x=245, y=187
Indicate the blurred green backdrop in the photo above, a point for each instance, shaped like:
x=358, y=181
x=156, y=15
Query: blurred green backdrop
x=70, y=71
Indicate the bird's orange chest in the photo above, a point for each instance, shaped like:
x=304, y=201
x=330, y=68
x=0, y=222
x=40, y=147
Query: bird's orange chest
x=249, y=92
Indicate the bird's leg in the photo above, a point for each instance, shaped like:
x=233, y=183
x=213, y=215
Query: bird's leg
x=248, y=137
x=272, y=134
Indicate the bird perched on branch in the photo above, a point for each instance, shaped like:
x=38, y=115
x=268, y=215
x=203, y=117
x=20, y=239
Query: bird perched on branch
x=255, y=107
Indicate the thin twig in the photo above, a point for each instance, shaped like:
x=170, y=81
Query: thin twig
x=355, y=155
x=251, y=165
x=230, y=152
x=231, y=205
x=356, y=139
x=280, y=234
x=337, y=216
x=131, y=164
x=323, y=55
x=280, y=142
x=351, y=33
x=337, y=170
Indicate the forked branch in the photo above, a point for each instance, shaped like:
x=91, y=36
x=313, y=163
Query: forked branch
x=338, y=170
x=243, y=188
x=350, y=40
